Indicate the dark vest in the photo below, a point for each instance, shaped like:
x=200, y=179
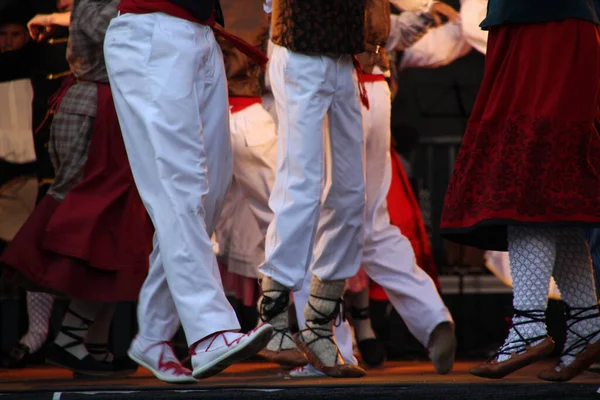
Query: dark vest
x=319, y=26
x=538, y=11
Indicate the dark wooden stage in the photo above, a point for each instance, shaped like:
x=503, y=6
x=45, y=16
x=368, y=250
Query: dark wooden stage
x=402, y=380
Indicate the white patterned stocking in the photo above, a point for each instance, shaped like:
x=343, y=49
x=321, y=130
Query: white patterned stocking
x=39, y=310
x=575, y=280
x=532, y=252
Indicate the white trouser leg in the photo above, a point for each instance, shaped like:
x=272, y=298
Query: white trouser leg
x=339, y=240
x=172, y=108
x=305, y=87
x=388, y=257
x=342, y=333
x=225, y=225
x=158, y=323
x=302, y=95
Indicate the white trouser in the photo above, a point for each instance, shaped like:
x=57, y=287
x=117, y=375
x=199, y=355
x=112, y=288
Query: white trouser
x=243, y=225
x=388, y=257
x=168, y=83
x=306, y=87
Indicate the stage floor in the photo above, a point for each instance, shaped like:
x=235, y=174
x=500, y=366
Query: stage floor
x=406, y=380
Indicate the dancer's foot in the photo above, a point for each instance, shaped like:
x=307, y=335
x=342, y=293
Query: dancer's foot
x=582, y=349
x=68, y=350
x=215, y=353
x=61, y=357
x=160, y=359
x=523, y=347
x=18, y=357
x=442, y=347
x=371, y=349
x=316, y=340
x=274, y=306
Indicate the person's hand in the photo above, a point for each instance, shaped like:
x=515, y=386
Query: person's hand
x=40, y=26
x=440, y=10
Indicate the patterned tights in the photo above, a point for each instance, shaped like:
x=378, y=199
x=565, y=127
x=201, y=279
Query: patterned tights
x=536, y=254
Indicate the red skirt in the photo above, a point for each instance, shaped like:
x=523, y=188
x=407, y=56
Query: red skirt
x=531, y=152
x=95, y=244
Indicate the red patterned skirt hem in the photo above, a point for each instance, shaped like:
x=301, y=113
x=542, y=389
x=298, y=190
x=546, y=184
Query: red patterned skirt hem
x=531, y=152
x=28, y=264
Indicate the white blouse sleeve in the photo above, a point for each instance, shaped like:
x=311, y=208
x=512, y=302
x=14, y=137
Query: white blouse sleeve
x=440, y=46
x=472, y=12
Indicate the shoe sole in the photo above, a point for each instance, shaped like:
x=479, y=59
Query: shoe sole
x=239, y=353
x=511, y=366
x=79, y=371
x=157, y=374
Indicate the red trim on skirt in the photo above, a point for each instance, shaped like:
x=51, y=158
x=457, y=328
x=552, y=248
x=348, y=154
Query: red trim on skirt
x=531, y=151
x=95, y=244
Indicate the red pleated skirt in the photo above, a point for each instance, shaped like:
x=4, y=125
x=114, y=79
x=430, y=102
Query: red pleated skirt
x=531, y=152
x=95, y=244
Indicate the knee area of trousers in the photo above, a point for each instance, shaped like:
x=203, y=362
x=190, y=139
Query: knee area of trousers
x=350, y=198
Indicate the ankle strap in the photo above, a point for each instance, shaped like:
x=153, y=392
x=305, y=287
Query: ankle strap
x=97, y=348
x=70, y=330
x=574, y=316
x=530, y=316
x=578, y=314
x=270, y=307
x=337, y=314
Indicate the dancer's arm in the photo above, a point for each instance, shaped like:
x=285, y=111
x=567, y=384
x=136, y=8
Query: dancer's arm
x=440, y=46
x=41, y=26
x=410, y=26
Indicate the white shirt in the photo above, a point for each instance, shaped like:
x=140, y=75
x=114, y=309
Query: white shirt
x=472, y=12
